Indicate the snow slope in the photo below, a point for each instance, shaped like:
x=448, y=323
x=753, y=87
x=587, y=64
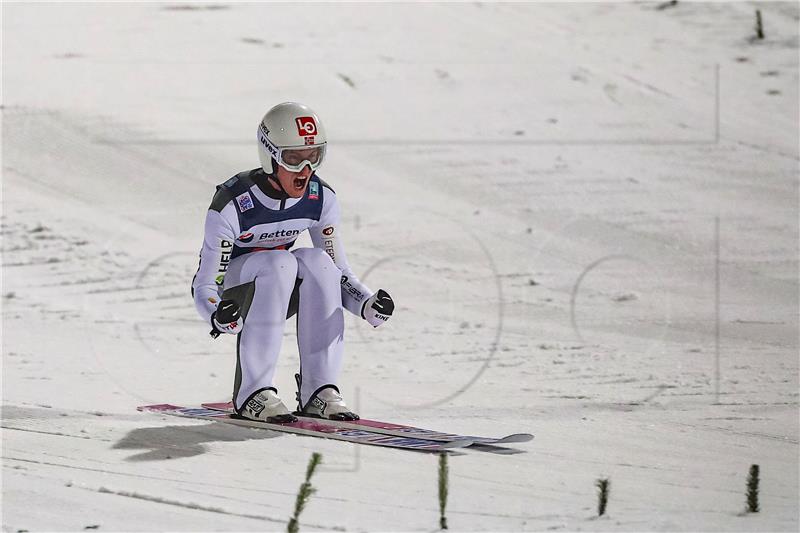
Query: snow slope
x=537, y=185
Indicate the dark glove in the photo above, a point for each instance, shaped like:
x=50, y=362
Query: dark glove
x=226, y=319
x=378, y=308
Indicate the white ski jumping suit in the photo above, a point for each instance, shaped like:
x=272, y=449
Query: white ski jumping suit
x=249, y=231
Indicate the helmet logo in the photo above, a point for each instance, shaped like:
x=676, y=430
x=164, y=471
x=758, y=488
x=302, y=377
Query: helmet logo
x=306, y=126
x=268, y=145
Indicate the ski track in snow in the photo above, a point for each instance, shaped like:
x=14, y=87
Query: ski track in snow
x=536, y=185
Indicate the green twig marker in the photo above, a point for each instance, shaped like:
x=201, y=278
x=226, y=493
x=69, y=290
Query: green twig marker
x=752, y=490
x=442, y=490
x=759, y=25
x=603, y=488
x=306, y=490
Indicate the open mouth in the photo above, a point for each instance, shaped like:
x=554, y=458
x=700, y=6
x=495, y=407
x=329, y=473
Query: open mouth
x=300, y=183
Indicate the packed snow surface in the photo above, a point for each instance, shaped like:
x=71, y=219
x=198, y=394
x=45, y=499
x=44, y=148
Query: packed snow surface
x=587, y=214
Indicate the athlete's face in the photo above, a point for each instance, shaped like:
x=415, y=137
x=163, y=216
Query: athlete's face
x=294, y=183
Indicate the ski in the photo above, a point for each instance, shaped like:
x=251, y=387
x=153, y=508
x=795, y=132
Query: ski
x=399, y=430
x=311, y=428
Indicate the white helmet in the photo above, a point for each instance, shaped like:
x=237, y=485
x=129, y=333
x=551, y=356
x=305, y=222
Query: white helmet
x=291, y=135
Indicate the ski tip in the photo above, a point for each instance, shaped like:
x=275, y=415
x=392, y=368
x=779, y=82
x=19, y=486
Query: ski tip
x=459, y=443
x=508, y=439
x=518, y=437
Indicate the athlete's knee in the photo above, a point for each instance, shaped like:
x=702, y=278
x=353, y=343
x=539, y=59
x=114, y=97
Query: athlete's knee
x=279, y=263
x=317, y=264
x=316, y=260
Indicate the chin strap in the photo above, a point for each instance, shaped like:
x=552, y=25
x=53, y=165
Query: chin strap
x=276, y=184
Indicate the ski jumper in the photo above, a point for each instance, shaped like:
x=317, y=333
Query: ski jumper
x=246, y=256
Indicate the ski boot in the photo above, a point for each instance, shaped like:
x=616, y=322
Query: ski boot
x=265, y=406
x=326, y=402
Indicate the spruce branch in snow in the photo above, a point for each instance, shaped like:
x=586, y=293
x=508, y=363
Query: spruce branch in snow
x=759, y=25
x=306, y=490
x=442, y=489
x=603, y=489
x=752, y=490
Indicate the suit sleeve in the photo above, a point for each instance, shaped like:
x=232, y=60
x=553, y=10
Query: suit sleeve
x=326, y=234
x=215, y=255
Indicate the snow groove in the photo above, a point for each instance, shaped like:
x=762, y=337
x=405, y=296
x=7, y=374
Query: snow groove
x=185, y=505
x=198, y=507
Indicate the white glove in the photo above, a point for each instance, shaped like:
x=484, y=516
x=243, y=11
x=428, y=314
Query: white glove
x=226, y=319
x=378, y=308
